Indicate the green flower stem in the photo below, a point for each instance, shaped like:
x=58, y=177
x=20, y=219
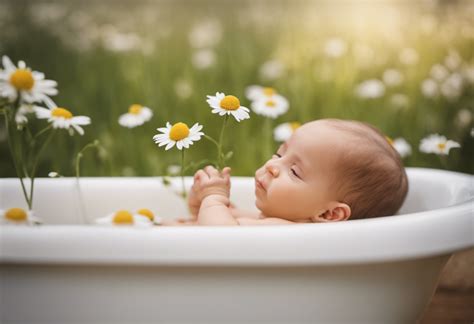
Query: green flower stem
x=41, y=132
x=212, y=140
x=35, y=165
x=184, y=193
x=220, y=158
x=444, y=161
x=79, y=156
x=15, y=161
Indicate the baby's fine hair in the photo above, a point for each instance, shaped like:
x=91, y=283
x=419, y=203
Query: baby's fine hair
x=371, y=176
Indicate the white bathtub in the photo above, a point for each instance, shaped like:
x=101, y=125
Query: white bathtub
x=370, y=271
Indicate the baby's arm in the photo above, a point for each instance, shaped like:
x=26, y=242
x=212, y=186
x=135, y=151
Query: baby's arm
x=263, y=221
x=213, y=190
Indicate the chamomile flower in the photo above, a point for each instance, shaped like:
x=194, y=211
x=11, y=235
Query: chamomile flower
x=137, y=115
x=21, y=80
x=124, y=217
x=272, y=107
x=151, y=216
x=401, y=146
x=22, y=112
x=18, y=216
x=437, y=144
x=178, y=134
x=283, y=132
x=62, y=118
x=227, y=105
x=256, y=92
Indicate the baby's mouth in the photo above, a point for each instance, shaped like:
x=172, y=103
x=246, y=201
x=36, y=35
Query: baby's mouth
x=260, y=184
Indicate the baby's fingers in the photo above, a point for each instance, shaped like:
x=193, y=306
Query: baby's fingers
x=200, y=175
x=226, y=174
x=211, y=171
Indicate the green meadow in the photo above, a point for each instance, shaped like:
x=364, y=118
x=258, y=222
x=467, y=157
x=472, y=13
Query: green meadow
x=169, y=55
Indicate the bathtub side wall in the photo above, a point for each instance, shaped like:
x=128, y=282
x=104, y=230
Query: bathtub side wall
x=374, y=293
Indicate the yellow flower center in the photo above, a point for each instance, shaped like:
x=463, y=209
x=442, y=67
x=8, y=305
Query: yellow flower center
x=135, y=109
x=270, y=104
x=146, y=212
x=179, y=131
x=22, y=79
x=230, y=103
x=294, y=125
x=269, y=91
x=16, y=214
x=389, y=140
x=441, y=146
x=123, y=217
x=61, y=112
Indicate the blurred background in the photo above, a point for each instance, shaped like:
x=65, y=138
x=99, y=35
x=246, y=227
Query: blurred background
x=407, y=67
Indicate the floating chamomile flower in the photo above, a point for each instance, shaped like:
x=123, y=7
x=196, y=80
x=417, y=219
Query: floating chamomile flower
x=124, y=217
x=272, y=107
x=401, y=146
x=227, y=105
x=62, y=118
x=437, y=144
x=18, y=216
x=137, y=115
x=151, y=216
x=178, y=134
x=21, y=80
x=283, y=132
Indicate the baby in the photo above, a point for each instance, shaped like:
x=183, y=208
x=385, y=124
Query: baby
x=329, y=170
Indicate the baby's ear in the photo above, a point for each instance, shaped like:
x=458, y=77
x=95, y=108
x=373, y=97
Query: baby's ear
x=336, y=212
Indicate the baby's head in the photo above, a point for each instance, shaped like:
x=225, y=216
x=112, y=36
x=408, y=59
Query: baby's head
x=332, y=170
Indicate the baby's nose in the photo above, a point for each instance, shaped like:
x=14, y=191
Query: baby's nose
x=273, y=170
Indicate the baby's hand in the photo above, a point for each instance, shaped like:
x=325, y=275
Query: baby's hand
x=210, y=182
x=193, y=199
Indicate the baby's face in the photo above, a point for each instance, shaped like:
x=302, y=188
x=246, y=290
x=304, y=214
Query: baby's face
x=294, y=183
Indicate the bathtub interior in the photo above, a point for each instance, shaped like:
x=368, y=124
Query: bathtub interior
x=57, y=200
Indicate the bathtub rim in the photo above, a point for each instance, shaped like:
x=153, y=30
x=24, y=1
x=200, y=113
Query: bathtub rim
x=46, y=244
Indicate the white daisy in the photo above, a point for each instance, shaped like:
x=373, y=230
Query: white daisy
x=272, y=107
x=335, y=47
x=22, y=112
x=151, y=216
x=429, y=88
x=283, y=132
x=30, y=84
x=401, y=146
x=173, y=170
x=370, y=89
x=392, y=77
x=124, y=217
x=18, y=216
x=437, y=144
x=204, y=58
x=179, y=134
x=271, y=70
x=256, y=92
x=137, y=115
x=229, y=105
x=62, y=118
